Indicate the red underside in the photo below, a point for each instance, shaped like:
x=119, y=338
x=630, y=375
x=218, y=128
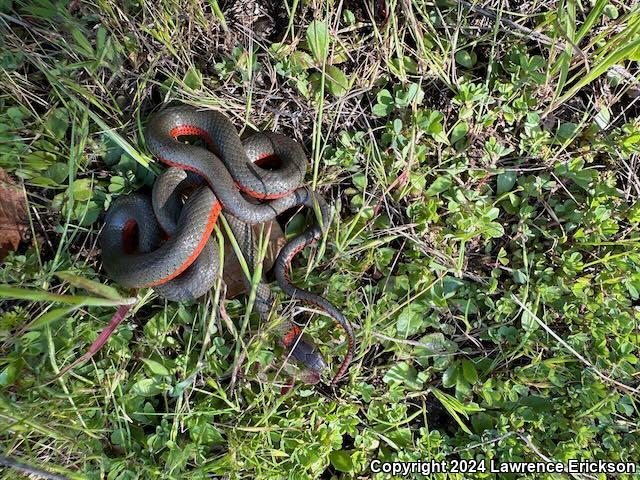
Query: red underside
x=191, y=131
x=291, y=336
x=130, y=237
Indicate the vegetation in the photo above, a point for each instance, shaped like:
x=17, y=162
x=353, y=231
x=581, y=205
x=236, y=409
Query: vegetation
x=483, y=165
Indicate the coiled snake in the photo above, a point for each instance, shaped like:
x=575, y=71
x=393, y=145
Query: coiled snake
x=217, y=178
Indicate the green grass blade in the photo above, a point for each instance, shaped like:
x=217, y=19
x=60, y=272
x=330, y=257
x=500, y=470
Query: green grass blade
x=16, y=293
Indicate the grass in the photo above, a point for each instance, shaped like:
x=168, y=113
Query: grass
x=482, y=160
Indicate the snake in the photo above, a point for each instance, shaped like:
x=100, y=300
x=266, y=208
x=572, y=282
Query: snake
x=165, y=241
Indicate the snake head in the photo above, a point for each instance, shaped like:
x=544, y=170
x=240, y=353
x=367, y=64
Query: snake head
x=303, y=350
x=307, y=353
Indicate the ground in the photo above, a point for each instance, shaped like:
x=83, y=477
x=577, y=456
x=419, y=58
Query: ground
x=482, y=162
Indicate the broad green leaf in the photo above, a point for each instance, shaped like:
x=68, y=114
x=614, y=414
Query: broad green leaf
x=506, y=181
x=337, y=82
x=58, y=172
x=611, y=12
x=119, y=437
x=411, y=320
x=156, y=368
x=82, y=189
x=439, y=185
x=384, y=105
x=58, y=123
x=465, y=58
x=10, y=373
x=318, y=40
x=203, y=433
x=450, y=375
x=403, y=373
x=469, y=371
x=341, y=461
x=459, y=131
x=147, y=387
x=567, y=131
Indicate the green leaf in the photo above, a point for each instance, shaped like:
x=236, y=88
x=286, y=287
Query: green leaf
x=119, y=140
x=58, y=172
x=481, y=422
x=203, y=432
x=385, y=104
x=82, y=189
x=119, y=436
x=58, y=123
x=506, y=181
x=411, y=320
x=156, y=368
x=450, y=376
x=82, y=42
x=44, y=296
x=51, y=316
x=625, y=51
x=455, y=408
x=403, y=373
x=602, y=118
x=341, y=461
x=537, y=403
x=6, y=6
x=408, y=65
x=296, y=225
x=592, y=18
x=413, y=94
x=466, y=59
x=459, y=131
x=147, y=387
x=528, y=322
x=337, y=82
x=567, y=131
x=301, y=59
x=439, y=185
x=193, y=78
x=94, y=287
x=469, y=371
x=318, y=40
x=610, y=11
x=431, y=122
x=10, y=373
x=39, y=160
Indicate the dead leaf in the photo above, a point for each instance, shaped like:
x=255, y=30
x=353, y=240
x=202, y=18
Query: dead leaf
x=13, y=214
x=233, y=274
